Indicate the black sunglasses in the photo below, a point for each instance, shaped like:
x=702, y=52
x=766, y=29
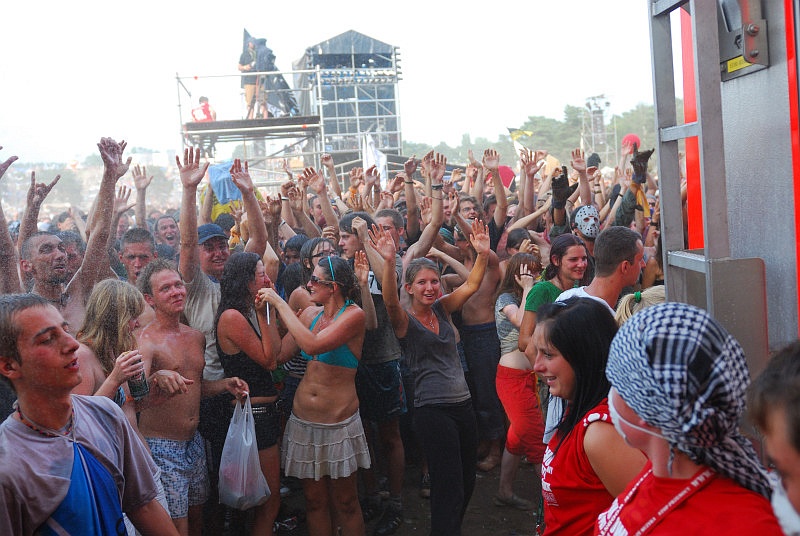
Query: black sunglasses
x=316, y=280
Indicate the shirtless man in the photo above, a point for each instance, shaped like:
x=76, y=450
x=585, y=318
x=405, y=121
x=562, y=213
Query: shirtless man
x=44, y=258
x=478, y=330
x=171, y=428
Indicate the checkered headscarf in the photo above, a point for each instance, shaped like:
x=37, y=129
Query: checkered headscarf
x=680, y=371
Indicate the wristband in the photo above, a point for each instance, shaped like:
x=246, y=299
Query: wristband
x=284, y=198
x=437, y=186
x=409, y=182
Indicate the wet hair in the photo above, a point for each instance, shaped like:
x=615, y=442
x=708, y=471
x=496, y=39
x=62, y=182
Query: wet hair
x=239, y=272
x=629, y=304
x=306, y=252
x=397, y=218
x=776, y=388
x=71, y=237
x=581, y=329
x=137, y=235
x=295, y=242
x=26, y=252
x=614, y=245
x=144, y=281
x=346, y=222
x=10, y=306
x=163, y=217
x=509, y=283
x=225, y=221
x=417, y=265
x=292, y=278
x=342, y=275
x=112, y=304
x=559, y=248
x=515, y=237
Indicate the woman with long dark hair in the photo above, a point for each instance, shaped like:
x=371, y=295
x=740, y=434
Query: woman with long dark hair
x=586, y=464
x=245, y=351
x=567, y=268
x=324, y=442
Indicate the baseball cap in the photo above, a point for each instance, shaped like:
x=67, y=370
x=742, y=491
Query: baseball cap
x=209, y=230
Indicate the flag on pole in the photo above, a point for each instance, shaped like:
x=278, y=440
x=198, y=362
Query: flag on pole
x=518, y=134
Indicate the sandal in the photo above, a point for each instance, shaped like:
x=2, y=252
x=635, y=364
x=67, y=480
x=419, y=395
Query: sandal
x=488, y=463
x=514, y=501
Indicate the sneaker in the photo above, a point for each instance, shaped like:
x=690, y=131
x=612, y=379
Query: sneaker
x=425, y=486
x=285, y=491
x=389, y=522
x=514, y=502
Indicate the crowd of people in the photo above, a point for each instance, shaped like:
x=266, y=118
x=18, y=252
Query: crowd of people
x=473, y=319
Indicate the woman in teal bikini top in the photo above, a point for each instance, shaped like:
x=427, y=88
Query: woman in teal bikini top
x=341, y=356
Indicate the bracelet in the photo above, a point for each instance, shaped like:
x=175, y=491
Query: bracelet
x=437, y=186
x=409, y=182
x=597, y=191
x=284, y=198
x=434, y=197
x=282, y=223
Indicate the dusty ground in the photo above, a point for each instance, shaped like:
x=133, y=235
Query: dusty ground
x=483, y=517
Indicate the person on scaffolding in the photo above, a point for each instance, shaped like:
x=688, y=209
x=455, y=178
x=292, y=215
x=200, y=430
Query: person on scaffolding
x=204, y=113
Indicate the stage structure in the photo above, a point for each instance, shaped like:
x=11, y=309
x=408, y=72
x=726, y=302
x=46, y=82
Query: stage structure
x=346, y=91
x=357, y=79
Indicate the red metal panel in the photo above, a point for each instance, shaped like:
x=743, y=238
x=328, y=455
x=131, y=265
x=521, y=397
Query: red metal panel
x=694, y=190
x=791, y=65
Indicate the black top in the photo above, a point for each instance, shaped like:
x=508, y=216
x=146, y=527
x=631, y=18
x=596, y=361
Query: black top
x=257, y=377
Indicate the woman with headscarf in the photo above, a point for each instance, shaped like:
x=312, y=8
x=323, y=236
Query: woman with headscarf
x=678, y=392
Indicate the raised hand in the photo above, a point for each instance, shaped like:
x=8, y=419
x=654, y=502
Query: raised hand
x=471, y=157
x=314, y=180
x=191, y=172
x=38, y=192
x=356, y=177
x=359, y=226
x=331, y=232
x=383, y=243
x=327, y=160
x=140, y=179
x=561, y=188
x=425, y=209
x=530, y=165
x=525, y=278
x=639, y=163
x=437, y=167
x=480, y=237
x=121, y=203
x=425, y=164
x=240, y=175
x=371, y=177
x=286, y=169
x=274, y=207
x=578, y=161
x=356, y=202
x=5, y=165
x=237, y=211
x=361, y=268
x=396, y=184
x=491, y=159
x=111, y=153
x=410, y=166
x=472, y=174
x=296, y=200
x=285, y=187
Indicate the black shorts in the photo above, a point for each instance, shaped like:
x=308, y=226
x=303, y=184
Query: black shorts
x=267, y=423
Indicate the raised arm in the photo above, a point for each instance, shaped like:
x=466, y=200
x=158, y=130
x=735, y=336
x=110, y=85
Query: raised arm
x=327, y=163
x=578, y=163
x=191, y=173
x=412, y=215
x=9, y=281
x=383, y=243
x=480, y=241
x=421, y=247
x=141, y=181
x=240, y=175
x=361, y=269
x=316, y=182
x=491, y=164
x=37, y=193
x=96, y=264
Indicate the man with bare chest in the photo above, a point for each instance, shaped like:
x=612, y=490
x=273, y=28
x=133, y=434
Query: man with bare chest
x=170, y=428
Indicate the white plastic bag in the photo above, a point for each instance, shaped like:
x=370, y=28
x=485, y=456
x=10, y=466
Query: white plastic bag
x=241, y=483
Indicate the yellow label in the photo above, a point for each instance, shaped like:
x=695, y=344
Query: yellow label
x=737, y=63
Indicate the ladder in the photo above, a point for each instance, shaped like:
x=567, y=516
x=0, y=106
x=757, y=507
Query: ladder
x=731, y=290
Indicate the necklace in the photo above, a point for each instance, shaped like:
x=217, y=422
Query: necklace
x=429, y=320
x=46, y=432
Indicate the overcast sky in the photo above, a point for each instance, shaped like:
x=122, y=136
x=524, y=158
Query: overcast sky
x=76, y=71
